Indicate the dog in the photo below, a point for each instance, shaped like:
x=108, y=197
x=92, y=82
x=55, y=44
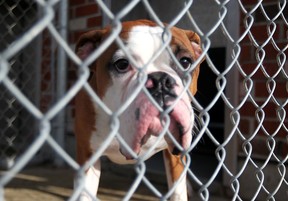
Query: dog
x=115, y=77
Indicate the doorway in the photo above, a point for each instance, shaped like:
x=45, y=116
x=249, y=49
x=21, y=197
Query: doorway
x=204, y=161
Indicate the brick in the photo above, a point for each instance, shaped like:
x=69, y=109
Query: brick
x=273, y=126
x=262, y=91
x=259, y=147
x=86, y=10
x=45, y=102
x=270, y=68
x=73, y=111
x=246, y=52
x=249, y=2
x=242, y=17
x=46, y=76
x=270, y=10
x=71, y=13
x=44, y=86
x=248, y=68
x=284, y=149
x=247, y=110
x=94, y=21
x=260, y=34
x=271, y=52
x=242, y=90
x=72, y=74
x=271, y=110
x=253, y=2
x=246, y=39
x=71, y=38
x=76, y=2
x=245, y=125
x=46, y=40
x=269, y=126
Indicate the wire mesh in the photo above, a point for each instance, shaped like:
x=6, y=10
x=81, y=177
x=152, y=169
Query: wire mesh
x=252, y=86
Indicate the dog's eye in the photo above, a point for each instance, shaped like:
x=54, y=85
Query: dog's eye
x=186, y=62
x=122, y=65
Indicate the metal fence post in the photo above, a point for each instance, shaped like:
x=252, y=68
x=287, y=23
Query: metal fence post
x=61, y=80
x=232, y=91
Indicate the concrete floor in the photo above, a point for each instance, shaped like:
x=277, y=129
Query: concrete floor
x=55, y=184
x=46, y=183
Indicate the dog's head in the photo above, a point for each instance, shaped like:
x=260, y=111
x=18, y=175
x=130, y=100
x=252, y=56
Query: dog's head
x=116, y=79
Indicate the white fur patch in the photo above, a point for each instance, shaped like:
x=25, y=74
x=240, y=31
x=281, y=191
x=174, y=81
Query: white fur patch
x=143, y=43
x=91, y=183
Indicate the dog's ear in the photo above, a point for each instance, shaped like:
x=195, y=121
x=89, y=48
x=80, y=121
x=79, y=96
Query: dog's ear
x=195, y=42
x=88, y=42
x=197, y=51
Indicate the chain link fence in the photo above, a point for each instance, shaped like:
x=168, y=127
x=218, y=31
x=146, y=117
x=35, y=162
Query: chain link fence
x=241, y=103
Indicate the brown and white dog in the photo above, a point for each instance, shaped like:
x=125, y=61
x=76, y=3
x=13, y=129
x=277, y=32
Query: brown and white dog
x=114, y=79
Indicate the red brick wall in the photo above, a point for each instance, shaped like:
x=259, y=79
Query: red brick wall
x=84, y=15
x=249, y=126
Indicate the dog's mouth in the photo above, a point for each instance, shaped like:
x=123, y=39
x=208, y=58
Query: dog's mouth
x=175, y=128
x=149, y=123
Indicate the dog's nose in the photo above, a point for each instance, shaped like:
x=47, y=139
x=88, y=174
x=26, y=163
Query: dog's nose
x=161, y=87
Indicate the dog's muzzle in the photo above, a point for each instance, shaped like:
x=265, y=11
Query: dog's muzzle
x=161, y=87
x=148, y=120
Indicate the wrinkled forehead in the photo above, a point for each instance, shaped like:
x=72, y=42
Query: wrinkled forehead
x=146, y=34
x=143, y=41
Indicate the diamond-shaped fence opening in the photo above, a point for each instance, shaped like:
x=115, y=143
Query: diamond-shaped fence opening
x=239, y=148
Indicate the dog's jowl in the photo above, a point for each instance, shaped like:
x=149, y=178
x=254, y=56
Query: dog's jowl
x=115, y=79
